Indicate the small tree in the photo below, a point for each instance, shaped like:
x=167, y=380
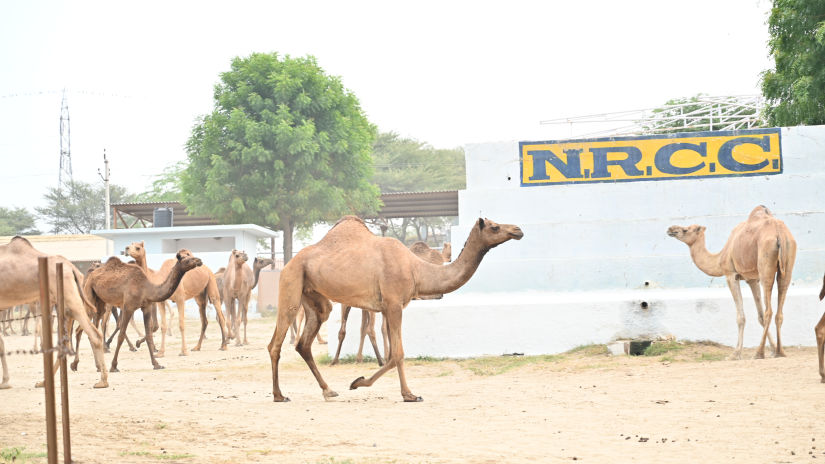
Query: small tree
x=17, y=221
x=795, y=88
x=166, y=186
x=79, y=207
x=286, y=145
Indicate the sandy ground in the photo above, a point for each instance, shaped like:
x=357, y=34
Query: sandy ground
x=216, y=407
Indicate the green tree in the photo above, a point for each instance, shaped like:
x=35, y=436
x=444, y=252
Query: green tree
x=795, y=88
x=17, y=221
x=407, y=165
x=166, y=186
x=80, y=207
x=701, y=113
x=285, y=146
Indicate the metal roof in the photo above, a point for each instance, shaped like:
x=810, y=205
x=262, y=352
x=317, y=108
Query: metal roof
x=396, y=205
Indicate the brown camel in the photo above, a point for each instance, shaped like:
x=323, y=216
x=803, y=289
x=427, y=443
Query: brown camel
x=199, y=283
x=352, y=266
x=423, y=251
x=128, y=287
x=21, y=284
x=820, y=337
x=238, y=281
x=758, y=251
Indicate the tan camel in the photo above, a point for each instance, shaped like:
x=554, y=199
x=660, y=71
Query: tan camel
x=352, y=266
x=128, y=287
x=758, y=251
x=423, y=251
x=199, y=283
x=820, y=337
x=21, y=284
x=238, y=281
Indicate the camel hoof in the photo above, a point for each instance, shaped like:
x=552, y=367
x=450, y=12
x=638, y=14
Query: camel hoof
x=102, y=384
x=39, y=384
x=353, y=385
x=74, y=366
x=138, y=343
x=735, y=357
x=160, y=354
x=197, y=348
x=183, y=353
x=329, y=394
x=759, y=355
x=158, y=367
x=780, y=354
x=414, y=399
x=114, y=369
x=334, y=362
x=223, y=348
x=4, y=386
x=282, y=399
x=132, y=349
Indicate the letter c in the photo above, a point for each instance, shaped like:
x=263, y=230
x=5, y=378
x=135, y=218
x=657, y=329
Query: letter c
x=664, y=155
x=726, y=153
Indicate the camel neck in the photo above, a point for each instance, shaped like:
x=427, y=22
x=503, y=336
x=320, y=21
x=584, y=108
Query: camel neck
x=706, y=261
x=238, y=277
x=434, y=279
x=165, y=289
x=257, y=273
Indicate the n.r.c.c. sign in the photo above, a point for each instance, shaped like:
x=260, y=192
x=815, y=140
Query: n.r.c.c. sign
x=658, y=157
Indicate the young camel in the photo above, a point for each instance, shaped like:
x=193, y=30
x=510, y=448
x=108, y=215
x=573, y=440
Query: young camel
x=758, y=251
x=21, y=284
x=820, y=337
x=352, y=266
x=423, y=251
x=238, y=281
x=199, y=284
x=128, y=287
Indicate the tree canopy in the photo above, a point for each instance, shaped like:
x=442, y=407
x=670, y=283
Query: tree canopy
x=166, y=186
x=795, y=88
x=17, y=221
x=286, y=145
x=406, y=165
x=80, y=207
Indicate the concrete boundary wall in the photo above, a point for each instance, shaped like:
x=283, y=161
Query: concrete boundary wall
x=593, y=252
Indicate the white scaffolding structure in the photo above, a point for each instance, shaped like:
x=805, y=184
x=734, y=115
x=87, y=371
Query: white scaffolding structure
x=697, y=113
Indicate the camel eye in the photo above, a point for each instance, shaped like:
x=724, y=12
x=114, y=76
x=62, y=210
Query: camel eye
x=494, y=228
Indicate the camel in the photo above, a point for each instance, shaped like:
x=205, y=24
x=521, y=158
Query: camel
x=128, y=287
x=352, y=266
x=199, y=283
x=423, y=251
x=21, y=284
x=758, y=251
x=238, y=281
x=820, y=337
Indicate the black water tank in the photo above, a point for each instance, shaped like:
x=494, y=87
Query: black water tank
x=162, y=217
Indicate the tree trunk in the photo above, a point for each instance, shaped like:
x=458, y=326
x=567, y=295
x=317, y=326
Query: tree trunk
x=288, y=229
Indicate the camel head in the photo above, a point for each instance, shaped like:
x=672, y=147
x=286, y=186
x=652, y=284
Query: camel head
x=136, y=250
x=447, y=252
x=188, y=263
x=689, y=234
x=493, y=234
x=261, y=263
x=183, y=253
x=239, y=256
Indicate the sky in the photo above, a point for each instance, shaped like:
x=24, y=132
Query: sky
x=137, y=74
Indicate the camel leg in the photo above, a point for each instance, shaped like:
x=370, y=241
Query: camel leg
x=767, y=289
x=78, y=334
x=184, y=350
x=288, y=305
x=342, y=332
x=26, y=320
x=5, y=384
x=371, y=334
x=782, y=292
x=163, y=308
x=316, y=310
x=296, y=326
x=150, y=342
x=757, y=298
x=736, y=292
x=204, y=322
x=243, y=310
x=820, y=347
x=365, y=321
x=122, y=324
x=385, y=336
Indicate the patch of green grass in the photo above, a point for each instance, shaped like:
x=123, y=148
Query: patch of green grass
x=18, y=455
x=160, y=456
x=660, y=348
x=444, y=374
x=323, y=359
x=425, y=360
x=336, y=461
x=351, y=359
x=495, y=365
x=667, y=359
x=711, y=357
x=589, y=350
x=161, y=426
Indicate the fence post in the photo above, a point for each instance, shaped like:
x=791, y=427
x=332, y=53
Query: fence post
x=64, y=342
x=46, y=347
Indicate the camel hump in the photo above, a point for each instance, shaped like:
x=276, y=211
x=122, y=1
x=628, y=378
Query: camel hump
x=21, y=240
x=759, y=212
x=419, y=247
x=347, y=218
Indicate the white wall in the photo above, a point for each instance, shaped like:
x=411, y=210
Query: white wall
x=578, y=276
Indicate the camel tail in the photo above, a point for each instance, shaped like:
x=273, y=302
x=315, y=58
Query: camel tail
x=211, y=293
x=779, y=257
x=78, y=280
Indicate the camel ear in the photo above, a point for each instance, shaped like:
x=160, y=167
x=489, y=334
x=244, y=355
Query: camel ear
x=480, y=224
x=702, y=228
x=177, y=255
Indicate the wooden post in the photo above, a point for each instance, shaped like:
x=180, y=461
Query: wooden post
x=64, y=343
x=46, y=347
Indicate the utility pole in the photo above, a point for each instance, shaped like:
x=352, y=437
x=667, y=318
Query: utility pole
x=105, y=178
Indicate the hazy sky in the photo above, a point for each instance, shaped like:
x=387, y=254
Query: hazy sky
x=447, y=73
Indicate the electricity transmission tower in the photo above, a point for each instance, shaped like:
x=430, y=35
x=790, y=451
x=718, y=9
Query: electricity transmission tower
x=65, y=175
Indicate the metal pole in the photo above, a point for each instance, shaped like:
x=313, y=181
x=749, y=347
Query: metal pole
x=108, y=203
x=46, y=346
x=63, y=342
x=272, y=251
